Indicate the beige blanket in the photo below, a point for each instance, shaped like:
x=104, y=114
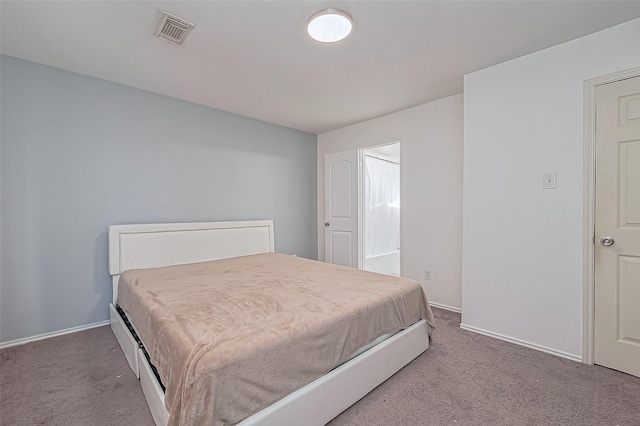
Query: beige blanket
x=230, y=337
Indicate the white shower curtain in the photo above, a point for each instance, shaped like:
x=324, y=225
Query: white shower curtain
x=382, y=207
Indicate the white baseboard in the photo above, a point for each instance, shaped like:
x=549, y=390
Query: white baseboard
x=52, y=334
x=448, y=308
x=530, y=345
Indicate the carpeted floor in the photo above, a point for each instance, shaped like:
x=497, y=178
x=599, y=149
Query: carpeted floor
x=463, y=379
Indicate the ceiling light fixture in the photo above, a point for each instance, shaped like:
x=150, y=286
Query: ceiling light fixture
x=329, y=25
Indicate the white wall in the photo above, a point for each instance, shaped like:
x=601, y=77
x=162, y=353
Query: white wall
x=522, y=245
x=431, y=158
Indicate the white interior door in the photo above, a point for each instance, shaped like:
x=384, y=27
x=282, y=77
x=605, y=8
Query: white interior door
x=341, y=208
x=617, y=226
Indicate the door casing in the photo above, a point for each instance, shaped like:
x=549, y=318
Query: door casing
x=588, y=233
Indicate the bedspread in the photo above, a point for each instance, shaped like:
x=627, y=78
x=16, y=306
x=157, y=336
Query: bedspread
x=230, y=337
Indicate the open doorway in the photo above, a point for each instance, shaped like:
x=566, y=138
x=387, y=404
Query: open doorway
x=380, y=209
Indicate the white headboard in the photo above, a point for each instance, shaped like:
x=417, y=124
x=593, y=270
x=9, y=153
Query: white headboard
x=145, y=246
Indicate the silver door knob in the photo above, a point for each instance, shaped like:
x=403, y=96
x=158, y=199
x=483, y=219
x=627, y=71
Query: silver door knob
x=607, y=241
x=327, y=224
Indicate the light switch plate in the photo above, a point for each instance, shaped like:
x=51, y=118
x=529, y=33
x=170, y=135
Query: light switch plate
x=549, y=180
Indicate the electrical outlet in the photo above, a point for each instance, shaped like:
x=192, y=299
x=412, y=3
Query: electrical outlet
x=427, y=274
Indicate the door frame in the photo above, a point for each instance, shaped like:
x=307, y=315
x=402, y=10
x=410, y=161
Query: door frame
x=361, y=177
x=589, y=204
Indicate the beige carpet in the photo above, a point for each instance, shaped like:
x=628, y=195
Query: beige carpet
x=463, y=379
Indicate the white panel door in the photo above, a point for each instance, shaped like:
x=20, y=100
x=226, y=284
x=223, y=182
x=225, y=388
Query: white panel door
x=617, y=249
x=341, y=208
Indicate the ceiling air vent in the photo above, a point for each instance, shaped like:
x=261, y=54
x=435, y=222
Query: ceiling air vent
x=173, y=29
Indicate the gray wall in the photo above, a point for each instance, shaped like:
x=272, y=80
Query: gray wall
x=79, y=154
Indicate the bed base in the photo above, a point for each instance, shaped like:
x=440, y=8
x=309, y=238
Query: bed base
x=314, y=404
x=125, y=339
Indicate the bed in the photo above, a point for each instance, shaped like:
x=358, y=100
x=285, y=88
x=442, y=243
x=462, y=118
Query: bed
x=141, y=255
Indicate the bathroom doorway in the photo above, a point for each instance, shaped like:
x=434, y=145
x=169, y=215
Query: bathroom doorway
x=380, y=209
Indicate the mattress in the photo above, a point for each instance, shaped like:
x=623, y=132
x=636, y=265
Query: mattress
x=232, y=336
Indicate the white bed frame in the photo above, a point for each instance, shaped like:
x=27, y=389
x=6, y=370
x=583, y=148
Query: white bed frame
x=154, y=245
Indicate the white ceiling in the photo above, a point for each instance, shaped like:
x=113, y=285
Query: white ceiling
x=255, y=59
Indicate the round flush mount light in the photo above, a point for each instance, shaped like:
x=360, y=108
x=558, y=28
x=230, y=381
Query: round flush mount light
x=330, y=25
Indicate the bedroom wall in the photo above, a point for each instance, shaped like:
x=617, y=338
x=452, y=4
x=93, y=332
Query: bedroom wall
x=79, y=154
x=431, y=158
x=522, y=245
